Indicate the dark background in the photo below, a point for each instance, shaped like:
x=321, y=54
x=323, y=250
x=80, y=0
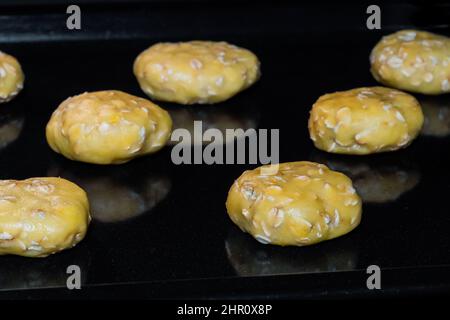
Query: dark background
x=184, y=245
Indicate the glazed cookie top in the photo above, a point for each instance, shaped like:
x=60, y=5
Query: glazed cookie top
x=39, y=216
x=195, y=71
x=11, y=77
x=303, y=203
x=107, y=127
x=365, y=120
x=413, y=60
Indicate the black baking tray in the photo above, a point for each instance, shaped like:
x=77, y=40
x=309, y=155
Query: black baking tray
x=161, y=230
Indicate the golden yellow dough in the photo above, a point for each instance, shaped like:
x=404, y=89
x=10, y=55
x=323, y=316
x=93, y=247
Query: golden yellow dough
x=412, y=60
x=196, y=71
x=365, y=120
x=41, y=216
x=107, y=127
x=302, y=204
x=11, y=77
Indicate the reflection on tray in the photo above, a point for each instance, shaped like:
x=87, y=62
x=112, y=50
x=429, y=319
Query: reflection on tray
x=375, y=182
x=250, y=258
x=220, y=118
x=29, y=273
x=117, y=195
x=436, y=111
x=11, y=125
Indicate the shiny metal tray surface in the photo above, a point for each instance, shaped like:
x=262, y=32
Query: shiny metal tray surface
x=161, y=230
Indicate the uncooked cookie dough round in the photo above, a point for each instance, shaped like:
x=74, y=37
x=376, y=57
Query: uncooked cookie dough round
x=107, y=127
x=365, y=120
x=302, y=204
x=41, y=216
x=11, y=77
x=412, y=60
x=196, y=71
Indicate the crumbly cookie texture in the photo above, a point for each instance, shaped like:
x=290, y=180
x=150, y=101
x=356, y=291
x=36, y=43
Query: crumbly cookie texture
x=201, y=72
x=41, y=216
x=412, y=60
x=302, y=204
x=11, y=77
x=107, y=127
x=365, y=120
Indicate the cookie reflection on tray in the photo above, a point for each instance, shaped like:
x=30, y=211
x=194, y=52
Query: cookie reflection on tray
x=375, y=181
x=24, y=273
x=436, y=111
x=116, y=196
x=212, y=117
x=250, y=258
x=11, y=125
